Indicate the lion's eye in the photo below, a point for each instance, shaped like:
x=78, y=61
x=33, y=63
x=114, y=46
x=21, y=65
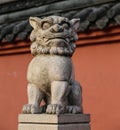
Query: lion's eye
x=46, y=25
x=65, y=25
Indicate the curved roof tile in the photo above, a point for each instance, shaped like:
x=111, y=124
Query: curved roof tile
x=91, y=17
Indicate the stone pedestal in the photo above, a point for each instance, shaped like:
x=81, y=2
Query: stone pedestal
x=54, y=122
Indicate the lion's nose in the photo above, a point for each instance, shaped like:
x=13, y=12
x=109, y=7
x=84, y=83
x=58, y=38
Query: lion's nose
x=57, y=28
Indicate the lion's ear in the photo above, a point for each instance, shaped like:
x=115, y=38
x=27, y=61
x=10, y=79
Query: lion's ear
x=34, y=22
x=75, y=24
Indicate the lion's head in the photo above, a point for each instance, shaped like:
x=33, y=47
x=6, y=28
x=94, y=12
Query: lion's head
x=53, y=35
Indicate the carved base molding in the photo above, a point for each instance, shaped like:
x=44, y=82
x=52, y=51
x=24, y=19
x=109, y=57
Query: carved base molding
x=54, y=122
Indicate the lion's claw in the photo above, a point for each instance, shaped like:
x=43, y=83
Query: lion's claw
x=32, y=109
x=73, y=109
x=55, y=109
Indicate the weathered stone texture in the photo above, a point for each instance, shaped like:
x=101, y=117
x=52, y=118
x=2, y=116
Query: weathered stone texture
x=50, y=73
x=54, y=122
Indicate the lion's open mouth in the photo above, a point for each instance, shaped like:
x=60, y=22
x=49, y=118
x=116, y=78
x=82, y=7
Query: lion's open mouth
x=58, y=42
x=58, y=38
x=48, y=39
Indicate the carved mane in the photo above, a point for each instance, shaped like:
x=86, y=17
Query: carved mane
x=39, y=49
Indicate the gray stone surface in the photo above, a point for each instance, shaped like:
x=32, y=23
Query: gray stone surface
x=54, y=127
x=54, y=122
x=54, y=119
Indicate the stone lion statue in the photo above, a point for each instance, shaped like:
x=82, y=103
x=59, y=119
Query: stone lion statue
x=50, y=73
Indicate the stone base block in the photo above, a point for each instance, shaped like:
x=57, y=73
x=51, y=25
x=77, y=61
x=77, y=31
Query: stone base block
x=54, y=122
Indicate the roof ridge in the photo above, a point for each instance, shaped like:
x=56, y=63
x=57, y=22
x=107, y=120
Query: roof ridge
x=99, y=16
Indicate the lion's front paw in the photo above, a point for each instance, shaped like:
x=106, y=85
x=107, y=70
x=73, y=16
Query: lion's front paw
x=31, y=109
x=74, y=109
x=55, y=109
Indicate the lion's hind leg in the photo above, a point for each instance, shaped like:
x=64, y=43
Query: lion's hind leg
x=75, y=99
x=35, y=96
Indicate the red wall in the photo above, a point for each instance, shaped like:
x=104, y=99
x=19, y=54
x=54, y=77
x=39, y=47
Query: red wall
x=12, y=89
x=97, y=69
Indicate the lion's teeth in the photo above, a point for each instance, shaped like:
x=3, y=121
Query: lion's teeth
x=45, y=39
x=67, y=39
